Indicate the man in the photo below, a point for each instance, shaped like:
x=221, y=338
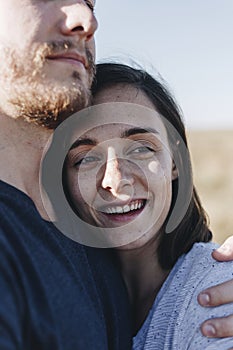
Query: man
x=55, y=293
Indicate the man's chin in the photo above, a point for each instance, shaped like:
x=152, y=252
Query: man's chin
x=52, y=118
x=52, y=107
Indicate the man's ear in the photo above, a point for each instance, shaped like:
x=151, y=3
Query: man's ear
x=174, y=171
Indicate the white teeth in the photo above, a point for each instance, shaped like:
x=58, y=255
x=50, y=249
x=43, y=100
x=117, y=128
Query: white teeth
x=119, y=210
x=124, y=209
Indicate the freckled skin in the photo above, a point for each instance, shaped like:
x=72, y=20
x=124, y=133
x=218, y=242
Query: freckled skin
x=99, y=175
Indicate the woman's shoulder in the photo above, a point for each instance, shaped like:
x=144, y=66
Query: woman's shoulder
x=176, y=315
x=198, y=266
x=197, y=272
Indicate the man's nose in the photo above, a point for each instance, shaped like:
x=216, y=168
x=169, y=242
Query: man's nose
x=79, y=19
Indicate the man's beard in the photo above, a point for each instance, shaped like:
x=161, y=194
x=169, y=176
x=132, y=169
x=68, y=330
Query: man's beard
x=33, y=97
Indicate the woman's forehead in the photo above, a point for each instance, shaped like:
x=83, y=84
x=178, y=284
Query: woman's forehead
x=112, y=119
x=123, y=93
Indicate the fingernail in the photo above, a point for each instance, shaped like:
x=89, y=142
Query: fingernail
x=223, y=249
x=208, y=330
x=204, y=299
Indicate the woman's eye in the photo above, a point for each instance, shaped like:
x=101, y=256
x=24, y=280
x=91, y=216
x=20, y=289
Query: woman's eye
x=88, y=160
x=142, y=149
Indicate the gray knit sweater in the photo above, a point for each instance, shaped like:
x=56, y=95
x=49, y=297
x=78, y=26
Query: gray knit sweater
x=175, y=318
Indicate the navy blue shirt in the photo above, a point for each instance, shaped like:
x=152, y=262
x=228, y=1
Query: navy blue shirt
x=55, y=293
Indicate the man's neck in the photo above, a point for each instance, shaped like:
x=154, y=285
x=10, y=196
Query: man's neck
x=21, y=148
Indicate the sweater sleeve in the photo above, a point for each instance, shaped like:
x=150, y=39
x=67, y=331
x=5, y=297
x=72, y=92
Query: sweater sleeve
x=204, y=272
x=175, y=318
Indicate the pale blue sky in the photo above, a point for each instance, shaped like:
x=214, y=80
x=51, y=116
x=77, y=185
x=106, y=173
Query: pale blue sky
x=189, y=42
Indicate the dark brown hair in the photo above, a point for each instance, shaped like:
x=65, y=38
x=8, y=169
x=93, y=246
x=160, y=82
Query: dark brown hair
x=193, y=225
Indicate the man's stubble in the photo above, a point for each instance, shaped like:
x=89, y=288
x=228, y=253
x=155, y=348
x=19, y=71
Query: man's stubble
x=31, y=95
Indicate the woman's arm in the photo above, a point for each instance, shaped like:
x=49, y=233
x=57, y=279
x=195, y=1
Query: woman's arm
x=219, y=295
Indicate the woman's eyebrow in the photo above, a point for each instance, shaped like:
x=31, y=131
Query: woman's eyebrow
x=134, y=131
x=125, y=134
x=81, y=142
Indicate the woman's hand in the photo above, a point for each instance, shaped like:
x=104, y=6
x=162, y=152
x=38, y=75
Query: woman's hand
x=225, y=251
x=217, y=295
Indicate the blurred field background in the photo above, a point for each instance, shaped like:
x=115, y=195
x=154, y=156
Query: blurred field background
x=212, y=157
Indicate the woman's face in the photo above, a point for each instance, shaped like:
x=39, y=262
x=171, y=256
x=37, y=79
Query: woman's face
x=119, y=174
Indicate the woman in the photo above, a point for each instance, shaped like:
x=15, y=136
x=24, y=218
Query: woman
x=131, y=176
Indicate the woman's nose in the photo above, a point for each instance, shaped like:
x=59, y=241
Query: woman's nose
x=114, y=177
x=112, y=174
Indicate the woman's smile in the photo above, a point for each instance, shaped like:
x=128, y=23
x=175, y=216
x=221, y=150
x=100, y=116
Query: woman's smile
x=119, y=173
x=124, y=213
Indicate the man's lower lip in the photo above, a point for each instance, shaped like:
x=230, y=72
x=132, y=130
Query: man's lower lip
x=70, y=61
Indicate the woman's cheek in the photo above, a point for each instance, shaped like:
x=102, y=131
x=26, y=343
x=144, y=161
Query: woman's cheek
x=86, y=185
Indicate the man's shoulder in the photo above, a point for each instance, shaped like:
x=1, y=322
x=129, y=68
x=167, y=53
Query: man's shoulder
x=12, y=201
x=18, y=215
x=8, y=190
x=41, y=267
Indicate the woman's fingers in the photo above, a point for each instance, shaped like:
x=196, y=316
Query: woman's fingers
x=217, y=295
x=225, y=251
x=218, y=327
x=214, y=296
